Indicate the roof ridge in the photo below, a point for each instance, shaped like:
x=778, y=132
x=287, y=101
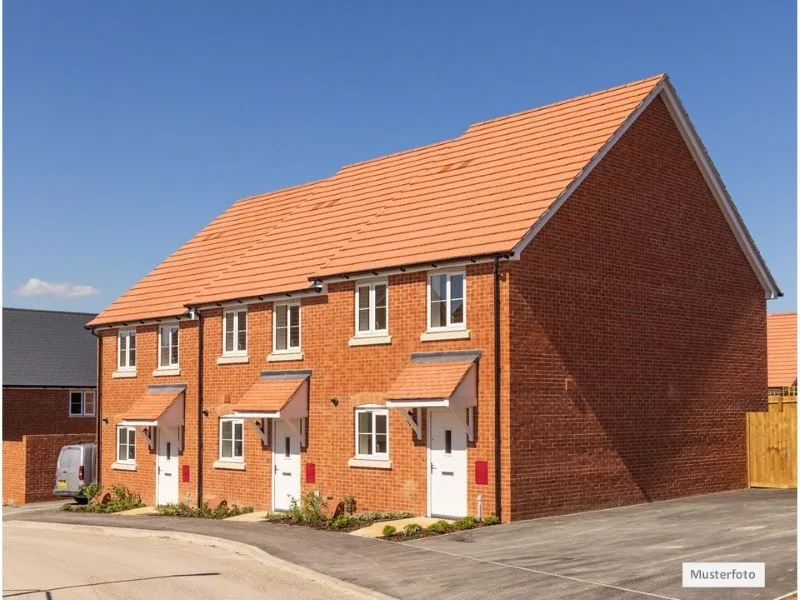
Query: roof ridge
x=534, y=109
x=47, y=310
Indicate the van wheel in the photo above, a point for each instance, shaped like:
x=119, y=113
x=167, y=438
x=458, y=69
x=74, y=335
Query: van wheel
x=81, y=500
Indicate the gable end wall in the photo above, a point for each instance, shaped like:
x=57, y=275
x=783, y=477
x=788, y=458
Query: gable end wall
x=637, y=339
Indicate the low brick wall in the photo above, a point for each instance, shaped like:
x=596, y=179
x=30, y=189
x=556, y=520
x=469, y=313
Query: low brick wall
x=29, y=466
x=14, y=472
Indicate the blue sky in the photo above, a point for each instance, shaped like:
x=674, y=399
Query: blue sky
x=130, y=125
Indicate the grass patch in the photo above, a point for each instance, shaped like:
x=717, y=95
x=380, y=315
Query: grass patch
x=223, y=511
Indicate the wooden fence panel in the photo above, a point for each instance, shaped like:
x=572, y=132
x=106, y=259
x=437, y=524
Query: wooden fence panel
x=772, y=444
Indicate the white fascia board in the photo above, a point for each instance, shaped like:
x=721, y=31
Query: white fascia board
x=421, y=403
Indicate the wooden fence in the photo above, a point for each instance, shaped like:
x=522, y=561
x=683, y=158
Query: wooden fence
x=772, y=444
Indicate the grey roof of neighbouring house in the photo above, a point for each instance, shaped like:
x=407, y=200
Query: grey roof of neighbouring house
x=48, y=348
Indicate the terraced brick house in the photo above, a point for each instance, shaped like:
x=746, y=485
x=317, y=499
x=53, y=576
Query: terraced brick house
x=557, y=310
x=49, y=396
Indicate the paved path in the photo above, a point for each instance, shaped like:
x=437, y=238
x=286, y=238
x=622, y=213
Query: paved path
x=630, y=553
x=46, y=561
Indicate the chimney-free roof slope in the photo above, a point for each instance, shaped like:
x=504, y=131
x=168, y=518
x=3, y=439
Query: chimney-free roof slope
x=476, y=195
x=48, y=348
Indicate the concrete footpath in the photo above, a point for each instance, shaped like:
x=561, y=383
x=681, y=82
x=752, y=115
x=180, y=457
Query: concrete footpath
x=628, y=553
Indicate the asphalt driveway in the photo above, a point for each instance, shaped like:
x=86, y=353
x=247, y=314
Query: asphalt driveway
x=629, y=553
x=637, y=551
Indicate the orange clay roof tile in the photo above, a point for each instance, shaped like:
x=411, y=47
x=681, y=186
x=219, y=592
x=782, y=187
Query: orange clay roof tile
x=150, y=406
x=269, y=395
x=429, y=381
x=476, y=194
x=782, y=349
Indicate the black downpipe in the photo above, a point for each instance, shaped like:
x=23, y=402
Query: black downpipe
x=99, y=412
x=199, y=409
x=497, y=430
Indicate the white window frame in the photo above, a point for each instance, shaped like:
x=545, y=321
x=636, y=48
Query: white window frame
x=83, y=412
x=375, y=409
x=126, y=460
x=130, y=334
x=234, y=422
x=449, y=326
x=236, y=312
x=169, y=365
x=289, y=348
x=372, y=331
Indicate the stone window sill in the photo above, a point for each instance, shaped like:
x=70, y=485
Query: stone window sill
x=123, y=374
x=452, y=334
x=368, y=463
x=284, y=356
x=366, y=340
x=119, y=466
x=166, y=372
x=233, y=360
x=229, y=464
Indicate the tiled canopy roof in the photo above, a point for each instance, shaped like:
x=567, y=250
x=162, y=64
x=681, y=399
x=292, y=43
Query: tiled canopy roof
x=782, y=349
x=269, y=395
x=475, y=195
x=431, y=381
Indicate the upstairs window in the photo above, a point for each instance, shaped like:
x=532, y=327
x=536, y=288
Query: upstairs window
x=372, y=309
x=168, y=346
x=372, y=433
x=81, y=404
x=286, y=328
x=234, y=333
x=126, y=350
x=447, y=301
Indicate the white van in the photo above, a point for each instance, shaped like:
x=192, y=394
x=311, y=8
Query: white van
x=75, y=468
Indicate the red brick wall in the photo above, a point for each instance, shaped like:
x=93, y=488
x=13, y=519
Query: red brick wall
x=638, y=338
x=14, y=472
x=355, y=375
x=41, y=459
x=117, y=395
x=40, y=412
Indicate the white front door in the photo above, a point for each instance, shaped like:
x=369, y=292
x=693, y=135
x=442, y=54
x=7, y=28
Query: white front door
x=285, y=466
x=447, y=465
x=167, y=466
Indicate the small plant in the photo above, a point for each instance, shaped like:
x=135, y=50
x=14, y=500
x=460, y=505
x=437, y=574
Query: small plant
x=223, y=511
x=313, y=509
x=466, y=523
x=412, y=529
x=119, y=499
x=440, y=526
x=491, y=520
x=341, y=522
x=90, y=491
x=349, y=504
x=295, y=516
x=389, y=530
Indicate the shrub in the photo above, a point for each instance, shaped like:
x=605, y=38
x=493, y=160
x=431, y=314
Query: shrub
x=440, y=526
x=491, y=520
x=313, y=509
x=466, y=523
x=295, y=516
x=342, y=522
x=375, y=516
x=223, y=511
x=90, y=491
x=120, y=498
x=389, y=530
x=349, y=504
x=412, y=529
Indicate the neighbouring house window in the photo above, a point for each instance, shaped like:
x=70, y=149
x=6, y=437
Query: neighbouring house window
x=372, y=433
x=447, y=301
x=126, y=444
x=286, y=322
x=81, y=404
x=168, y=346
x=231, y=439
x=126, y=350
x=372, y=308
x=234, y=332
